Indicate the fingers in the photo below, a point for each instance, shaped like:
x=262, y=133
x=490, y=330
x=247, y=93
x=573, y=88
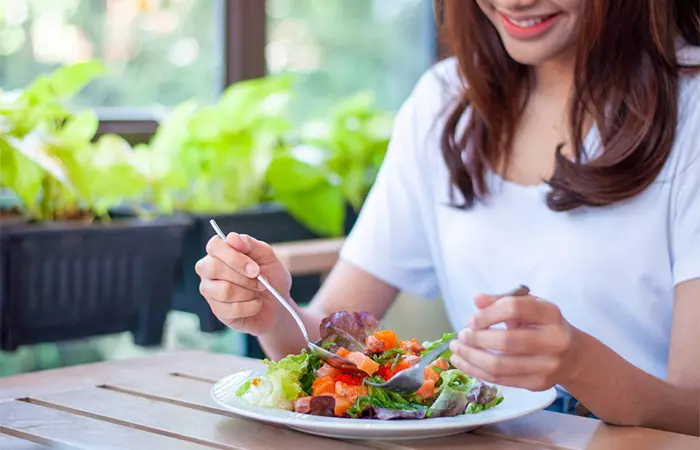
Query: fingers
x=526, y=310
x=531, y=382
x=500, y=366
x=212, y=268
x=233, y=257
x=523, y=341
x=259, y=251
x=229, y=312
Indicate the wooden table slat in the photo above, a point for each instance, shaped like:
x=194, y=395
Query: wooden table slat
x=143, y=393
x=181, y=422
x=8, y=442
x=572, y=432
x=53, y=427
x=67, y=378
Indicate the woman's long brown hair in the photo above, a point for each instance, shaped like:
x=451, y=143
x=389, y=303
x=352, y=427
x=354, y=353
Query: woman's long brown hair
x=627, y=78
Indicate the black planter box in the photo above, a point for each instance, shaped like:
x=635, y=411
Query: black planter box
x=269, y=223
x=61, y=281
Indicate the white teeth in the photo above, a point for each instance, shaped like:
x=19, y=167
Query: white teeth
x=529, y=22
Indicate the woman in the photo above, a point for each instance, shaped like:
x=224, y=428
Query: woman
x=559, y=149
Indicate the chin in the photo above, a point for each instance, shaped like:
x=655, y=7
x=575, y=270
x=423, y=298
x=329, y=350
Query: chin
x=532, y=54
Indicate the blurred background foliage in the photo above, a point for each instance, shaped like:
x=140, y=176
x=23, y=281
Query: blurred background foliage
x=160, y=53
x=163, y=52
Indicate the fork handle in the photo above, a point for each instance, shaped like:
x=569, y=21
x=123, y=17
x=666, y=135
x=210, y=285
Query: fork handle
x=433, y=354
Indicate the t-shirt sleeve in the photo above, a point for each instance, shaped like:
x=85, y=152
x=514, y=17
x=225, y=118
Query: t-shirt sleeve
x=685, y=226
x=390, y=238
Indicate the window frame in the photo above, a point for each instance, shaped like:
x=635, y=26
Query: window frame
x=244, y=28
x=243, y=25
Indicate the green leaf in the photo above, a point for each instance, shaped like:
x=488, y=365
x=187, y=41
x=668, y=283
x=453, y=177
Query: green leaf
x=430, y=346
x=80, y=129
x=354, y=186
x=245, y=387
x=69, y=80
x=246, y=102
x=322, y=209
x=174, y=130
x=289, y=175
x=22, y=175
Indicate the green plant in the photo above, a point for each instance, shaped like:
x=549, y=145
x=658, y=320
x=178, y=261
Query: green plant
x=213, y=159
x=48, y=157
x=335, y=161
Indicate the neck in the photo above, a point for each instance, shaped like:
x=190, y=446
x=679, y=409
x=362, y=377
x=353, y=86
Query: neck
x=554, y=78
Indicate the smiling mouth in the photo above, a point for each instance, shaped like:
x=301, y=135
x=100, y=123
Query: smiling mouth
x=530, y=27
x=527, y=23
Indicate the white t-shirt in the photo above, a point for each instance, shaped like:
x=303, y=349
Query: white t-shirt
x=611, y=270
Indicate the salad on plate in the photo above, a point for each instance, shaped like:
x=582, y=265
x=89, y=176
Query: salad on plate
x=305, y=384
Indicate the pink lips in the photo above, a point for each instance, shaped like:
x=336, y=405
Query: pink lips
x=528, y=32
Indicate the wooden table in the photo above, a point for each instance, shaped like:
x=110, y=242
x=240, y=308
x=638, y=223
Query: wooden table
x=162, y=402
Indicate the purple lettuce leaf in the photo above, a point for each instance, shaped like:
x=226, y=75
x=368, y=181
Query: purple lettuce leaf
x=482, y=393
x=348, y=329
x=450, y=402
x=323, y=405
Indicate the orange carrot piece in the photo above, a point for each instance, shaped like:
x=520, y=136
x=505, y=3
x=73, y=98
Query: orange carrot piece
x=427, y=390
x=364, y=363
x=323, y=385
x=342, y=352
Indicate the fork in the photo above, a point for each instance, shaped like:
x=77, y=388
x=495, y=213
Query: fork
x=408, y=381
x=331, y=358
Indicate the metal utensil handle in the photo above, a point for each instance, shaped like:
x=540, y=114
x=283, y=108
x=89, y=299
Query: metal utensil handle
x=433, y=354
x=430, y=357
x=269, y=287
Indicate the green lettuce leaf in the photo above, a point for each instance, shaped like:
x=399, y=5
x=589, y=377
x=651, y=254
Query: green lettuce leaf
x=429, y=346
x=478, y=407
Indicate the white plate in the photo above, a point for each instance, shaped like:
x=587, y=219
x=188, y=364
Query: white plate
x=517, y=403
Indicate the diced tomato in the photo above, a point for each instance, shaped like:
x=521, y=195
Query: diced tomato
x=327, y=370
x=352, y=380
x=364, y=363
x=342, y=352
x=427, y=390
x=388, y=338
x=431, y=374
x=387, y=371
x=302, y=405
x=341, y=404
x=441, y=364
x=350, y=392
x=412, y=346
x=324, y=385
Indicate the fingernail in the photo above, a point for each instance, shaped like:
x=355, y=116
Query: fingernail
x=251, y=269
x=248, y=241
x=453, y=346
